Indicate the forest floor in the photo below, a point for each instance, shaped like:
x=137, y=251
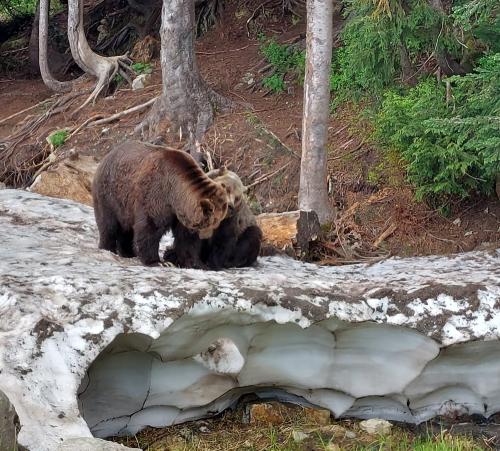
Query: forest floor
x=262, y=144
x=293, y=428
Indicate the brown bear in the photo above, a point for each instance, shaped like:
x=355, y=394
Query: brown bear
x=234, y=244
x=140, y=192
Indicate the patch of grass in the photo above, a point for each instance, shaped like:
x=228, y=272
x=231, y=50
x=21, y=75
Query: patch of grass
x=228, y=433
x=58, y=138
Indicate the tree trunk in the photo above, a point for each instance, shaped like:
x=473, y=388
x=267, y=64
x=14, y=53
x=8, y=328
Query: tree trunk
x=448, y=65
x=43, y=29
x=33, y=43
x=187, y=102
x=101, y=67
x=407, y=69
x=313, y=191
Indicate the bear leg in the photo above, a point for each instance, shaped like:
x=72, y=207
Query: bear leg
x=247, y=248
x=108, y=232
x=187, y=249
x=147, y=238
x=126, y=244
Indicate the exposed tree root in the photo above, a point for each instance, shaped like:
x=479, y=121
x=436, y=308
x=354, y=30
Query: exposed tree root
x=17, y=166
x=108, y=68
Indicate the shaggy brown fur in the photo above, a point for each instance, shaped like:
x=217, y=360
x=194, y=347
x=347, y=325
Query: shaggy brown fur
x=140, y=192
x=235, y=243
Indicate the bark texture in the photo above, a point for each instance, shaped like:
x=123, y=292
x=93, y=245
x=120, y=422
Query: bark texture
x=313, y=191
x=43, y=30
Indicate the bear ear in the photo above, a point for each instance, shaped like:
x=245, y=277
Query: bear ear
x=213, y=173
x=207, y=207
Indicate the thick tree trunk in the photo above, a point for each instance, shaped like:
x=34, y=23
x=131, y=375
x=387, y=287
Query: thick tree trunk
x=407, y=69
x=313, y=191
x=101, y=67
x=43, y=30
x=445, y=61
x=187, y=102
x=33, y=43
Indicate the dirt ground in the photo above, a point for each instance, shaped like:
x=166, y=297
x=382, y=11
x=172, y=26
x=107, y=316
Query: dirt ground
x=261, y=142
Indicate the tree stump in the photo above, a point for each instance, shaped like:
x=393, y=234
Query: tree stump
x=290, y=232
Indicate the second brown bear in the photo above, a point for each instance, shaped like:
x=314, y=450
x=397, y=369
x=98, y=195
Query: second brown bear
x=234, y=244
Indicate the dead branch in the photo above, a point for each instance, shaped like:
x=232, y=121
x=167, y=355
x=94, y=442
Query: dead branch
x=100, y=120
x=385, y=234
x=134, y=109
x=218, y=52
x=268, y=176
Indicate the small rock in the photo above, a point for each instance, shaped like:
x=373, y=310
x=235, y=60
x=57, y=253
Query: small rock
x=248, y=78
x=350, y=434
x=140, y=82
x=266, y=413
x=299, y=436
x=204, y=429
x=320, y=417
x=469, y=233
x=376, y=426
x=68, y=180
x=457, y=222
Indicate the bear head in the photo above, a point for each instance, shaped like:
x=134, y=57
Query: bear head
x=208, y=213
x=233, y=186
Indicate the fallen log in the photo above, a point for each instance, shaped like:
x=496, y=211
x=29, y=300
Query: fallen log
x=290, y=232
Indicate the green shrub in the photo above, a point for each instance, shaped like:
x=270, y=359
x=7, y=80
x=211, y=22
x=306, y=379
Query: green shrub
x=452, y=149
x=17, y=8
x=275, y=83
x=283, y=59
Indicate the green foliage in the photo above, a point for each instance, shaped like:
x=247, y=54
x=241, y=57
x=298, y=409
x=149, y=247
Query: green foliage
x=376, y=34
x=275, y=83
x=452, y=149
x=480, y=20
x=283, y=59
x=17, y=8
x=58, y=138
x=142, y=68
